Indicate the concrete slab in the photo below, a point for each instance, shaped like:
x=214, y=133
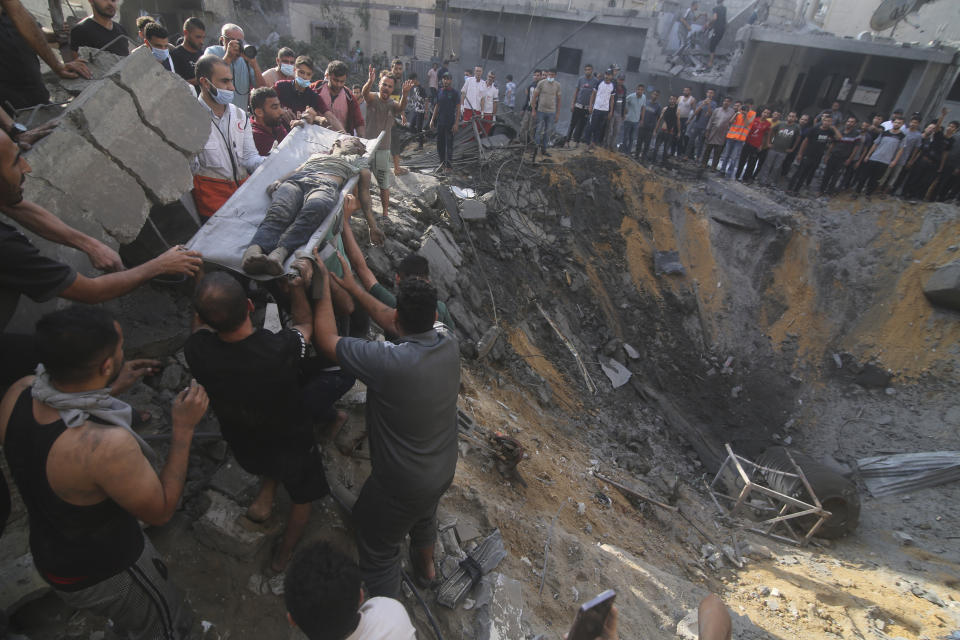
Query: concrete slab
x=166, y=102
x=235, y=483
x=438, y=246
x=943, y=287
x=20, y=583
x=473, y=210
x=218, y=528
x=108, y=114
x=506, y=608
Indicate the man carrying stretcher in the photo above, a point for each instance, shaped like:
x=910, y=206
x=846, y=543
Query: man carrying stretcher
x=302, y=201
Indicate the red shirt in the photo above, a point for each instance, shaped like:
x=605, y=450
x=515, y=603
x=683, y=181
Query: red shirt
x=758, y=131
x=264, y=136
x=354, y=117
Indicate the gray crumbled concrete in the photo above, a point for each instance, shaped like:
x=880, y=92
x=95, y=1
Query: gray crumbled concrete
x=235, y=483
x=219, y=529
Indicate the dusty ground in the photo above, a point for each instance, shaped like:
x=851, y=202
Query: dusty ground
x=779, y=298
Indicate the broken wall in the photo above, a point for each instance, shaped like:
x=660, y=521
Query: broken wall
x=122, y=148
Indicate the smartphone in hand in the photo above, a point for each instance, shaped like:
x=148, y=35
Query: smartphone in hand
x=588, y=625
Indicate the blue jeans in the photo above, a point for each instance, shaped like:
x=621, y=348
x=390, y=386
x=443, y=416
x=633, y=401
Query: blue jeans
x=731, y=156
x=547, y=119
x=295, y=212
x=695, y=142
x=629, y=136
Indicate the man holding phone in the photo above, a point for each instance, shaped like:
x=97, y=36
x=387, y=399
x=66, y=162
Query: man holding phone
x=242, y=60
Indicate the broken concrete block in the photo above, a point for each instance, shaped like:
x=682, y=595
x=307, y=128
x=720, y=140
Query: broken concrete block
x=218, y=528
x=235, y=483
x=506, y=609
x=166, y=102
x=667, y=262
x=441, y=250
x=943, y=287
x=108, y=114
x=20, y=583
x=83, y=184
x=473, y=210
x=100, y=63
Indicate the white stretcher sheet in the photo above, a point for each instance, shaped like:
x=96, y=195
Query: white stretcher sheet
x=225, y=236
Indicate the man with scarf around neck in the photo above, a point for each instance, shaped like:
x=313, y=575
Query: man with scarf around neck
x=86, y=479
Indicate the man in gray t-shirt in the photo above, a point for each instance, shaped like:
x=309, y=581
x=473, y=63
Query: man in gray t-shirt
x=412, y=389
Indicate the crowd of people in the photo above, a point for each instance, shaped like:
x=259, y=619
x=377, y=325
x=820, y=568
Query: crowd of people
x=914, y=158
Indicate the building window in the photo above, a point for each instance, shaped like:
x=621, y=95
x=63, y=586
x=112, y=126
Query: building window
x=404, y=19
x=436, y=32
x=568, y=60
x=404, y=45
x=492, y=48
x=954, y=95
x=633, y=63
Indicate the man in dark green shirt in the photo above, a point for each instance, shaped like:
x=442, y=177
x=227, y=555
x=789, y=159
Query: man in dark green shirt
x=413, y=266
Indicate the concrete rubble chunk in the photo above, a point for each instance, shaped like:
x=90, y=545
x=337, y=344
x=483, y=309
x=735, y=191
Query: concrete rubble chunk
x=441, y=250
x=20, y=583
x=85, y=184
x=473, y=210
x=100, y=63
x=506, y=609
x=219, y=529
x=167, y=103
x=108, y=114
x=235, y=483
x=943, y=287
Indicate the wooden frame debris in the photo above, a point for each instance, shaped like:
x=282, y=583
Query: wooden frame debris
x=788, y=509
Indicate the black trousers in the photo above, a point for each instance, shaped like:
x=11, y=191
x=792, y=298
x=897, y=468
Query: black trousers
x=832, y=174
x=875, y=171
x=808, y=166
x=578, y=121
x=383, y=520
x=644, y=134
x=748, y=162
x=445, y=144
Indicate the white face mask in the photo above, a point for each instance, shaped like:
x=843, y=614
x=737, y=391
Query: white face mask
x=549, y=79
x=160, y=54
x=286, y=69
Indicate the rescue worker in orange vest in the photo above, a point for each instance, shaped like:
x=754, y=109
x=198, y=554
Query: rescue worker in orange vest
x=736, y=135
x=230, y=154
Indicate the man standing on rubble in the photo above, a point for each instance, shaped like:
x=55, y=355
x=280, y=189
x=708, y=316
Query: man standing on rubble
x=717, y=128
x=546, y=104
x=580, y=107
x=98, y=30
x=230, y=154
x=382, y=109
x=185, y=55
x=86, y=477
x=412, y=388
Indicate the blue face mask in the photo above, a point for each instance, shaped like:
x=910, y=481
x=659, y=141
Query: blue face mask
x=302, y=82
x=287, y=69
x=221, y=96
x=161, y=54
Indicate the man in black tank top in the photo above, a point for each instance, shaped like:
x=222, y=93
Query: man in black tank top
x=86, y=481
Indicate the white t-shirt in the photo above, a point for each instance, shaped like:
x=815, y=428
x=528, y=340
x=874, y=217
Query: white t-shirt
x=604, y=91
x=509, y=98
x=383, y=619
x=685, y=106
x=432, y=78
x=490, y=95
x=472, y=92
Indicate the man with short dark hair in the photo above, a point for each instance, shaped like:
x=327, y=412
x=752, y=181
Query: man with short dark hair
x=284, y=69
x=697, y=126
x=489, y=100
x=99, y=31
x=86, y=477
x=343, y=110
x=600, y=109
x=884, y=154
x=23, y=271
x=843, y=153
x=446, y=119
x=784, y=136
x=230, y=154
x=142, y=23
x=667, y=128
x=546, y=104
x=186, y=54
x=382, y=109
x=268, y=127
x=631, y=118
x=815, y=143
x=253, y=378
x=716, y=133
x=716, y=26
x=157, y=40
x=296, y=95
x=325, y=599
x=527, y=122
x=412, y=389
x=649, y=117
x=580, y=106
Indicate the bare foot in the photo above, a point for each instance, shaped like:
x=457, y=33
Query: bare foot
x=401, y=171
x=261, y=508
x=280, y=560
x=424, y=570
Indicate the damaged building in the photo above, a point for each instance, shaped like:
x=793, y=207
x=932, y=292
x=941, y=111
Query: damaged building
x=773, y=52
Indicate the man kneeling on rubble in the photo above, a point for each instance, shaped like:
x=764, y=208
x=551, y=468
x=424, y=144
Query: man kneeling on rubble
x=262, y=395
x=302, y=201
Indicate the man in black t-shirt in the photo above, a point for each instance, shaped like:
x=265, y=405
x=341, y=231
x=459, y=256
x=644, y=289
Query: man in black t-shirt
x=667, y=127
x=717, y=26
x=253, y=378
x=185, y=55
x=815, y=143
x=99, y=30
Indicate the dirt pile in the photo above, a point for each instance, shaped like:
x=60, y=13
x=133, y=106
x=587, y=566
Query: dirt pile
x=791, y=322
